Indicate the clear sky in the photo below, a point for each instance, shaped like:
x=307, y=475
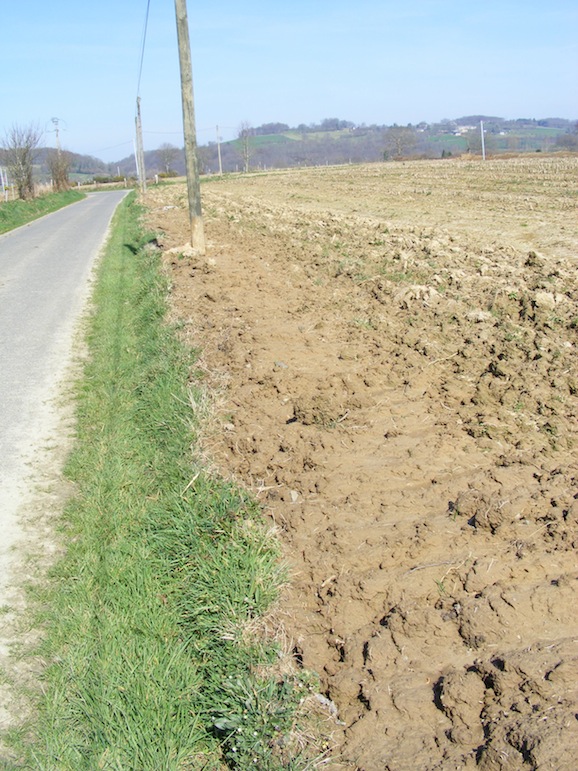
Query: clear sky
x=260, y=61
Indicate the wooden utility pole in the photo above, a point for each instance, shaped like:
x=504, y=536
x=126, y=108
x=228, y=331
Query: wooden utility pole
x=219, y=153
x=193, y=183
x=140, y=163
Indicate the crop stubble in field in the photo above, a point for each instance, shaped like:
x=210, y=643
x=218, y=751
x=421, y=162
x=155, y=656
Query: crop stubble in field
x=396, y=349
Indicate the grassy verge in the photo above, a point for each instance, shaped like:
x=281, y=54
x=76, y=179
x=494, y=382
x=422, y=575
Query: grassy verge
x=151, y=616
x=13, y=214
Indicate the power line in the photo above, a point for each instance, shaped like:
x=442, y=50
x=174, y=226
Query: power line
x=112, y=147
x=144, y=37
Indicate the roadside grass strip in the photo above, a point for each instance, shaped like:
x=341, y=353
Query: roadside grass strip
x=14, y=214
x=153, y=661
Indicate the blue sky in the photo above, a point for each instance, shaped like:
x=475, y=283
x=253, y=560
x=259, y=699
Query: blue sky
x=369, y=61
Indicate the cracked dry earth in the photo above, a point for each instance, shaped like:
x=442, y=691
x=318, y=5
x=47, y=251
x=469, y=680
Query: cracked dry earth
x=395, y=346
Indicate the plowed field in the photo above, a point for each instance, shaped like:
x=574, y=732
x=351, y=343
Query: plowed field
x=395, y=350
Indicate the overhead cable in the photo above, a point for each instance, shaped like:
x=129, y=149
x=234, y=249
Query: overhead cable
x=144, y=38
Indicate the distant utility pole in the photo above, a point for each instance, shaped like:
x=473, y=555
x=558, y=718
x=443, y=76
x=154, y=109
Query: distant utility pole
x=193, y=183
x=483, y=142
x=140, y=163
x=4, y=183
x=219, y=153
x=56, y=121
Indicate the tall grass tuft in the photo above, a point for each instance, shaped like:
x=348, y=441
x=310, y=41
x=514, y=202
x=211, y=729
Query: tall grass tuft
x=13, y=214
x=151, y=660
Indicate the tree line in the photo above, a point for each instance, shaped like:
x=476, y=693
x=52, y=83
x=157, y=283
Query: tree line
x=335, y=141
x=277, y=145
x=19, y=152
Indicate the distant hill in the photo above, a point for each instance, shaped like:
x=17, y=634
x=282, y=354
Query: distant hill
x=81, y=166
x=336, y=141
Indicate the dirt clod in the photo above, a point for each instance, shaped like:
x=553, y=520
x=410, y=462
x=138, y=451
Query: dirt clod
x=397, y=371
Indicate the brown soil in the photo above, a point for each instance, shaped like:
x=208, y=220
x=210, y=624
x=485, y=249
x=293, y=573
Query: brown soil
x=396, y=348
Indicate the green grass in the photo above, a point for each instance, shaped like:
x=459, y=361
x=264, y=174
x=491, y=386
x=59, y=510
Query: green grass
x=151, y=662
x=13, y=214
x=270, y=139
x=449, y=142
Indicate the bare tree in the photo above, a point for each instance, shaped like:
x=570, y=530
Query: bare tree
x=21, y=148
x=167, y=154
x=245, y=134
x=59, y=162
x=399, y=141
x=569, y=140
x=474, y=141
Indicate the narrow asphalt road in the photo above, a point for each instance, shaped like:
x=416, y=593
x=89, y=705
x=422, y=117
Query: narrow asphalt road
x=45, y=270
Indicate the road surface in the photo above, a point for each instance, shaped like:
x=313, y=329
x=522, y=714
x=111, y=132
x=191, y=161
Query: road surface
x=45, y=270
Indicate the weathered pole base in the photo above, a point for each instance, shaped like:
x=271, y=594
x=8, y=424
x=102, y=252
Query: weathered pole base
x=198, y=235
